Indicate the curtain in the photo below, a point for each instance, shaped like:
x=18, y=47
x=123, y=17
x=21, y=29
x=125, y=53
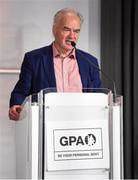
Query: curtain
x=119, y=53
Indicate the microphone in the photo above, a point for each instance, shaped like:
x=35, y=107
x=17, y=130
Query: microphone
x=95, y=66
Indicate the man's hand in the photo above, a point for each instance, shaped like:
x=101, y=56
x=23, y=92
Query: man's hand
x=14, y=112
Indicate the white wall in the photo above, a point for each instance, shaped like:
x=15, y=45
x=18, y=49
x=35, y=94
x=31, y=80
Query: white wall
x=25, y=25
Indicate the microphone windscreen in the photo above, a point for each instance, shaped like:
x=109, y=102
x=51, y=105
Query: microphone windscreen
x=73, y=44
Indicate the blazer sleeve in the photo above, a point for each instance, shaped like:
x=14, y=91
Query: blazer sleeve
x=23, y=85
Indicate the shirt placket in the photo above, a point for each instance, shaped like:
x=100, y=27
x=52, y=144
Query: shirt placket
x=65, y=74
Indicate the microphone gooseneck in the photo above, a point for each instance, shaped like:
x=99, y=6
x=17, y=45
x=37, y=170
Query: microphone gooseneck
x=95, y=66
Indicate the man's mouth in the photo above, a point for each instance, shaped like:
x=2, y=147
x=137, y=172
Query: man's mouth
x=68, y=42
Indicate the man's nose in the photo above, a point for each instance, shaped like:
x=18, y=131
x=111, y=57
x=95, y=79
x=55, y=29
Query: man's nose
x=71, y=34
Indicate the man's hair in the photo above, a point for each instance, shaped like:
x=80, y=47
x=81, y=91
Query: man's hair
x=64, y=11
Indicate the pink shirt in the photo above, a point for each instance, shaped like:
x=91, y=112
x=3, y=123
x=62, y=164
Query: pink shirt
x=66, y=72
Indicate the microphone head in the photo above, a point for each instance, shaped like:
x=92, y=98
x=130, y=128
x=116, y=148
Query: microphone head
x=73, y=44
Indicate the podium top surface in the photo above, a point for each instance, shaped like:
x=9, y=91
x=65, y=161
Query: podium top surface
x=94, y=97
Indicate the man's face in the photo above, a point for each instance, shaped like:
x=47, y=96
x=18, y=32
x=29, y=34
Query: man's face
x=67, y=29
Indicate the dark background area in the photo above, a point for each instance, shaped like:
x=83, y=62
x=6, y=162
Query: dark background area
x=119, y=59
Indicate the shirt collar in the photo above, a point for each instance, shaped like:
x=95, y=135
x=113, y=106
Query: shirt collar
x=57, y=54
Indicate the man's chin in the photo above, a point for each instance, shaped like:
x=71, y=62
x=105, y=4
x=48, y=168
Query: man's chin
x=69, y=47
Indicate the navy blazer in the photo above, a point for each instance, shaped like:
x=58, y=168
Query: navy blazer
x=37, y=73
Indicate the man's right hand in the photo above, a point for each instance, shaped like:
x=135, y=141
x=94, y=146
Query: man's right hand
x=14, y=112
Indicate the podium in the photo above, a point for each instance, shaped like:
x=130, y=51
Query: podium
x=62, y=136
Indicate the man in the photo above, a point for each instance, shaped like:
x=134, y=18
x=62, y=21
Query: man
x=59, y=65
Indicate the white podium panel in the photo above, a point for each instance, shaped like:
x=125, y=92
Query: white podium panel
x=76, y=134
x=27, y=143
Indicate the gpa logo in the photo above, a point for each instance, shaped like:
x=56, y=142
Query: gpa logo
x=89, y=140
x=83, y=143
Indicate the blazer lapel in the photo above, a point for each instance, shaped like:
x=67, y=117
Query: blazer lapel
x=83, y=69
x=49, y=67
